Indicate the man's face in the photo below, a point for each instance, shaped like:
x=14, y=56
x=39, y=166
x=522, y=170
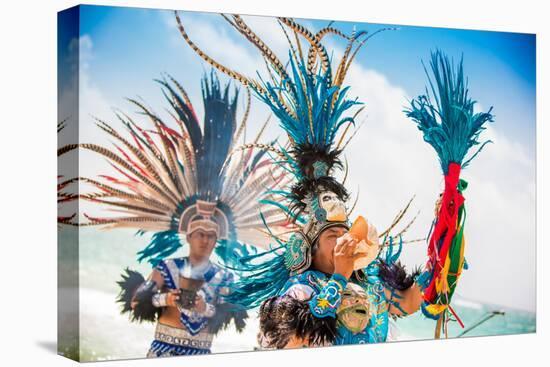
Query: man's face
x=323, y=257
x=201, y=243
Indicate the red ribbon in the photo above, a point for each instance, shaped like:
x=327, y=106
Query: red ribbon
x=444, y=229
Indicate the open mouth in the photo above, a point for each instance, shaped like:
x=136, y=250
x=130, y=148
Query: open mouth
x=355, y=318
x=359, y=310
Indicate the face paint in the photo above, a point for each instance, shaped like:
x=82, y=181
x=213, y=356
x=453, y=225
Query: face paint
x=354, y=310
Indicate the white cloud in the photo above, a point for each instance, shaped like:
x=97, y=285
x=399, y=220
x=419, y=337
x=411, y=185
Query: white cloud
x=215, y=41
x=389, y=161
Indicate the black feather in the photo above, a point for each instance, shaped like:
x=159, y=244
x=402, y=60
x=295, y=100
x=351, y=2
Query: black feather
x=395, y=275
x=225, y=312
x=309, y=186
x=144, y=309
x=305, y=156
x=283, y=317
x=219, y=125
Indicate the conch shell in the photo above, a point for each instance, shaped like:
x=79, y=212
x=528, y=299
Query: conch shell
x=367, y=235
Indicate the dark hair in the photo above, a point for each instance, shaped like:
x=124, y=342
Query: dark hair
x=283, y=317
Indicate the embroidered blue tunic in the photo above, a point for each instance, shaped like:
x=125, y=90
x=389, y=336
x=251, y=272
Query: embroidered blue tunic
x=324, y=294
x=194, y=338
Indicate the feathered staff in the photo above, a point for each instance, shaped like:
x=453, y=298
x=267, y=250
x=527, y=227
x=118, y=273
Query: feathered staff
x=450, y=125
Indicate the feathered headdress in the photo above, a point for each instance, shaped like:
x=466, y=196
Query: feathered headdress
x=64, y=194
x=313, y=107
x=450, y=125
x=173, y=181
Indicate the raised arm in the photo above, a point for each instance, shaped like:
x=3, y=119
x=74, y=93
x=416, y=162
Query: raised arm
x=304, y=316
x=405, y=302
x=402, y=291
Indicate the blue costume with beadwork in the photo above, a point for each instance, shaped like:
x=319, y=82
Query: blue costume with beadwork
x=361, y=305
x=325, y=297
x=197, y=337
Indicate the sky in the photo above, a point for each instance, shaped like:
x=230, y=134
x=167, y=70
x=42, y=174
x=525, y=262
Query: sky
x=122, y=51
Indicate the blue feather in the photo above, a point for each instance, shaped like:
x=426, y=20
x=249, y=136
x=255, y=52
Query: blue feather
x=162, y=245
x=258, y=280
x=232, y=251
x=391, y=255
x=449, y=123
x=316, y=114
x=311, y=111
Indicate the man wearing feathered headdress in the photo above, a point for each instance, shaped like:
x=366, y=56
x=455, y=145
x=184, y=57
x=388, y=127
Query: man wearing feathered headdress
x=323, y=285
x=185, y=185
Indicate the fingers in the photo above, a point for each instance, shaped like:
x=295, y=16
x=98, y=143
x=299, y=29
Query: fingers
x=344, y=243
x=340, y=243
x=347, y=249
x=350, y=247
x=172, y=297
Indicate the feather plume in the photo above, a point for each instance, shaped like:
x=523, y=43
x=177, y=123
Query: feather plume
x=445, y=113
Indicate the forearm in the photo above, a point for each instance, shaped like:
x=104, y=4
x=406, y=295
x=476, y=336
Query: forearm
x=224, y=311
x=413, y=299
x=160, y=300
x=208, y=310
x=149, y=291
x=405, y=302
